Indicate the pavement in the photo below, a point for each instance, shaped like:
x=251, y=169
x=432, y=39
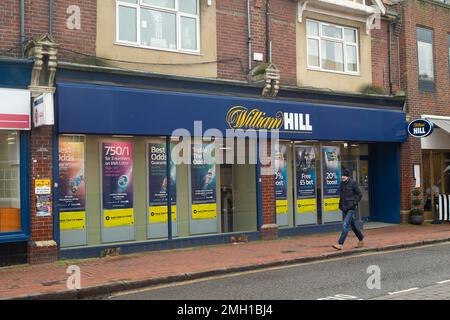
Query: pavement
x=104, y=276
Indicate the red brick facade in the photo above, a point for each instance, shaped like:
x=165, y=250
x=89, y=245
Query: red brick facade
x=10, y=28
x=436, y=17
x=380, y=56
x=41, y=167
x=232, y=37
x=269, y=229
x=81, y=40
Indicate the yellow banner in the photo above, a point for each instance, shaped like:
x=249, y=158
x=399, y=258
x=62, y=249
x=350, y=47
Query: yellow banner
x=204, y=211
x=331, y=204
x=282, y=206
x=72, y=220
x=158, y=214
x=306, y=205
x=118, y=217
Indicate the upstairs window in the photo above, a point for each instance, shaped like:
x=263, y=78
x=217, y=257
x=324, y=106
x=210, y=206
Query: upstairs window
x=425, y=59
x=171, y=25
x=332, y=48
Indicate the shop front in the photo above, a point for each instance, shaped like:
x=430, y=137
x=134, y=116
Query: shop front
x=144, y=168
x=436, y=167
x=14, y=138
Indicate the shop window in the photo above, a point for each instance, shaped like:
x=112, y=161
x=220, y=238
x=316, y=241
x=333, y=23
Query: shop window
x=436, y=175
x=10, y=181
x=115, y=189
x=332, y=48
x=171, y=25
x=425, y=59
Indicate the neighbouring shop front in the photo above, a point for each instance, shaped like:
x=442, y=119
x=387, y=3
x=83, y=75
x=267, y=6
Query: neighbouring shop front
x=15, y=108
x=128, y=154
x=435, y=172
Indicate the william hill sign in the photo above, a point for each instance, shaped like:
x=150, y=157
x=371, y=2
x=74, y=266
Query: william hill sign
x=420, y=128
x=239, y=117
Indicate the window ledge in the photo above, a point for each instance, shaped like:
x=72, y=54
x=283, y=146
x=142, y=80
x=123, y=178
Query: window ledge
x=8, y=237
x=357, y=74
x=117, y=43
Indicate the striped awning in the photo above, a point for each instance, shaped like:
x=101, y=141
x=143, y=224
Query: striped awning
x=441, y=123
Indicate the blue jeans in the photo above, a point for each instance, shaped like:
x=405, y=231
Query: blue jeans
x=349, y=222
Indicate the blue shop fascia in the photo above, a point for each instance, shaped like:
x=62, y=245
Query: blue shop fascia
x=118, y=184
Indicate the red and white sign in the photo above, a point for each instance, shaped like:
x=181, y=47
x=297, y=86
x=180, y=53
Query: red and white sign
x=15, y=109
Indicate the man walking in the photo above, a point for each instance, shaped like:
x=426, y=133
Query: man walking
x=350, y=195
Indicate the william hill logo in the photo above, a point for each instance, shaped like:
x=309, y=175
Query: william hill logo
x=239, y=117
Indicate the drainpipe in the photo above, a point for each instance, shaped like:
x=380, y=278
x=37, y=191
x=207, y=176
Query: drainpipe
x=250, y=37
x=51, y=4
x=268, y=43
x=22, y=28
x=390, y=56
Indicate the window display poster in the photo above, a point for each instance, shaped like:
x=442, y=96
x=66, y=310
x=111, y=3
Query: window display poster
x=203, y=182
x=305, y=166
x=281, y=179
x=117, y=184
x=157, y=182
x=331, y=177
x=72, y=188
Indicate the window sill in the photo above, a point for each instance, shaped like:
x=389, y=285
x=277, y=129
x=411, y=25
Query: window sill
x=334, y=72
x=131, y=45
x=7, y=237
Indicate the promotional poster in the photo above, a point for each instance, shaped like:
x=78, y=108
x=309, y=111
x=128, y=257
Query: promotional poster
x=203, y=182
x=157, y=182
x=305, y=166
x=72, y=187
x=117, y=182
x=281, y=179
x=331, y=175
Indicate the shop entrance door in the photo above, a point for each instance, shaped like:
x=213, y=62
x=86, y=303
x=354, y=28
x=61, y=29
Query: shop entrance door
x=226, y=197
x=363, y=180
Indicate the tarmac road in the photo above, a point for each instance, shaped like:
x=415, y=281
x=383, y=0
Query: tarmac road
x=338, y=279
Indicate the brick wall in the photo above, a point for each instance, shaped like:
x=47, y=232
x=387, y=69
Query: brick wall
x=82, y=40
x=9, y=28
x=36, y=23
x=269, y=229
x=41, y=167
x=232, y=37
x=436, y=17
x=380, y=57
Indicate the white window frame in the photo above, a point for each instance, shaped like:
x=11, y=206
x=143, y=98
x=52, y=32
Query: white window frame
x=141, y=5
x=321, y=38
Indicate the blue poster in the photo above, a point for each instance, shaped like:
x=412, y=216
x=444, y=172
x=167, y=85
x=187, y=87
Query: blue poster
x=331, y=171
x=203, y=174
x=203, y=182
x=305, y=166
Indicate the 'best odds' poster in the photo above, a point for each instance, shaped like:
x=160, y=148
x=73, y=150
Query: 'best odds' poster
x=158, y=184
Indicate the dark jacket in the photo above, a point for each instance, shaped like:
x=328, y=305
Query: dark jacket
x=350, y=195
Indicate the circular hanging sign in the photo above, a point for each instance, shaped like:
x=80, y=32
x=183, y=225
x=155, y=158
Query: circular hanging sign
x=420, y=128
